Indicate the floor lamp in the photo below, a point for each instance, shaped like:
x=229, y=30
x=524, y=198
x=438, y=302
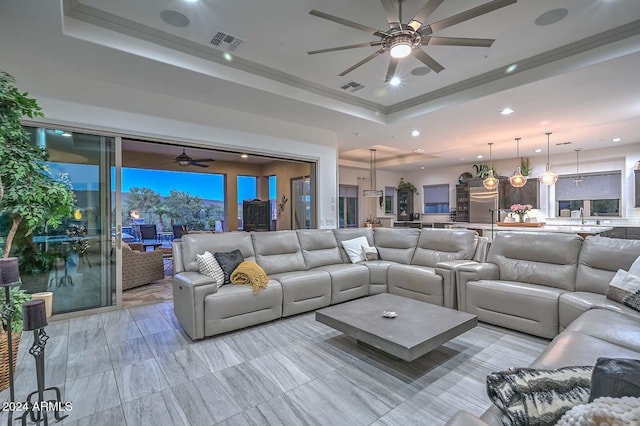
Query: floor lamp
x=9, y=276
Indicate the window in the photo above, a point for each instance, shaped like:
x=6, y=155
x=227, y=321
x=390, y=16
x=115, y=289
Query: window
x=273, y=196
x=348, y=206
x=436, y=198
x=247, y=190
x=389, y=199
x=598, y=194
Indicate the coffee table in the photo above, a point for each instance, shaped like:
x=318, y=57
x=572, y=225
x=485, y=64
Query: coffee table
x=418, y=329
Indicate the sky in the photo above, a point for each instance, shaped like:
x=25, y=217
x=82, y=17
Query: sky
x=205, y=185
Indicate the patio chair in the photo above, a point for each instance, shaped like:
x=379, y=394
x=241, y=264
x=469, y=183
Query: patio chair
x=148, y=232
x=178, y=231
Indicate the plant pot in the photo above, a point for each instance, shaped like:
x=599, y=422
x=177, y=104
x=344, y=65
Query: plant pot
x=4, y=357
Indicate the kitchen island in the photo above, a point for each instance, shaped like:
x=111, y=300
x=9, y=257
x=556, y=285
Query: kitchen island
x=486, y=229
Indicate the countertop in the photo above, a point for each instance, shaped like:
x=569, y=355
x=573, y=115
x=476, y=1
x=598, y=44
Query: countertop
x=567, y=229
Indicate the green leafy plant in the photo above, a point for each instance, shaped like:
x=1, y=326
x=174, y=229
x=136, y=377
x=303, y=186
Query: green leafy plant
x=407, y=186
x=17, y=297
x=524, y=166
x=482, y=171
x=29, y=194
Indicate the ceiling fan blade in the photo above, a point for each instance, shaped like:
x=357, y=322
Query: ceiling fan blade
x=203, y=160
x=393, y=15
x=193, y=163
x=424, y=13
x=471, y=13
x=362, y=62
x=427, y=60
x=348, y=23
x=393, y=63
x=458, y=41
x=351, y=46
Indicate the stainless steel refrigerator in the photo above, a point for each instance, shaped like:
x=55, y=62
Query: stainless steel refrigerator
x=482, y=205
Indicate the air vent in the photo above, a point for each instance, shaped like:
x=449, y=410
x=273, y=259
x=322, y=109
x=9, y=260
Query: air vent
x=352, y=86
x=226, y=41
x=563, y=143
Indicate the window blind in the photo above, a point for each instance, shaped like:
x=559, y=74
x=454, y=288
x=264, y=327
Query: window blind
x=594, y=186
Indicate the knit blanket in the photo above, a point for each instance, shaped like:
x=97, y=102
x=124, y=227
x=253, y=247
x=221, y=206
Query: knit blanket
x=250, y=273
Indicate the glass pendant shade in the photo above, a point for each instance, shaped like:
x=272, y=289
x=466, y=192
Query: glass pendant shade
x=548, y=177
x=518, y=180
x=490, y=183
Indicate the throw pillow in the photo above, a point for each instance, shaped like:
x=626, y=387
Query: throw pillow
x=625, y=288
x=536, y=397
x=604, y=411
x=229, y=261
x=634, y=269
x=126, y=246
x=370, y=253
x=208, y=265
x=354, y=248
x=615, y=377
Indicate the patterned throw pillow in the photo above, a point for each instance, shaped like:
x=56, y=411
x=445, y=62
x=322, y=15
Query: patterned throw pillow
x=208, y=265
x=625, y=288
x=538, y=397
x=370, y=253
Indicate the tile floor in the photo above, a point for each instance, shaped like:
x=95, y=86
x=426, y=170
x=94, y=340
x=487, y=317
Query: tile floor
x=137, y=367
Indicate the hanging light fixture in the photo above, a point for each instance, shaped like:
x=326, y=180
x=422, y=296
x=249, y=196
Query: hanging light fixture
x=490, y=183
x=548, y=177
x=518, y=180
x=578, y=178
x=373, y=192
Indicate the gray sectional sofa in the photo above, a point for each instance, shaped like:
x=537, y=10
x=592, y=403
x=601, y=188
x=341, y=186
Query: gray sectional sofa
x=309, y=269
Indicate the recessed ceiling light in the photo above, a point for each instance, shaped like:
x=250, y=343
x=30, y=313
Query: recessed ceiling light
x=616, y=139
x=66, y=134
x=174, y=18
x=512, y=68
x=422, y=168
x=461, y=158
x=394, y=81
x=506, y=111
x=479, y=156
x=418, y=150
x=415, y=133
x=191, y=1
x=538, y=150
x=244, y=156
x=227, y=56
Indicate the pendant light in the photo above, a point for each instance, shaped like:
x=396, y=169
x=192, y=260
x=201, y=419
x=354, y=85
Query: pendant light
x=372, y=192
x=578, y=178
x=490, y=183
x=548, y=177
x=517, y=180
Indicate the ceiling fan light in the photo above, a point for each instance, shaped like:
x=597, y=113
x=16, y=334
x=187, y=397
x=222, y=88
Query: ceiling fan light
x=401, y=47
x=490, y=183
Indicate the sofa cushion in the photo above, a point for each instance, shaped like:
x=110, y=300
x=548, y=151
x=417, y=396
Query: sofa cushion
x=441, y=245
x=194, y=244
x=548, y=259
x=615, y=377
x=343, y=234
x=625, y=288
x=304, y=291
x=278, y=251
x=572, y=304
x=319, y=247
x=614, y=327
x=348, y=281
x=396, y=245
x=228, y=262
x=600, y=258
x=536, y=397
x=208, y=265
x=416, y=282
x=354, y=250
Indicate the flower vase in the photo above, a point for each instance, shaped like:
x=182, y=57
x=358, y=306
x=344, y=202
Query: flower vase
x=521, y=217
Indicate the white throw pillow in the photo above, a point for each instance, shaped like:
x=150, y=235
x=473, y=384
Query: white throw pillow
x=370, y=253
x=354, y=248
x=208, y=265
x=635, y=268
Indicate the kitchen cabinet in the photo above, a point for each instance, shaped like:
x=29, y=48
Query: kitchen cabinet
x=462, y=202
x=528, y=194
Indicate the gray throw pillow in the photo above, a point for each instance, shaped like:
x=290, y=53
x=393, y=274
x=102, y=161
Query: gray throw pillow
x=615, y=377
x=229, y=261
x=527, y=396
x=625, y=288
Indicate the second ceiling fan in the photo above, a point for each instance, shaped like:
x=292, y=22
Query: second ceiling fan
x=402, y=40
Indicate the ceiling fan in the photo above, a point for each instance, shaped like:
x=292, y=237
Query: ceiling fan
x=184, y=160
x=402, y=40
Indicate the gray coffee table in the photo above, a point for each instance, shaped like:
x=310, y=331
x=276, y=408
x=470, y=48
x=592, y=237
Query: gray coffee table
x=419, y=327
